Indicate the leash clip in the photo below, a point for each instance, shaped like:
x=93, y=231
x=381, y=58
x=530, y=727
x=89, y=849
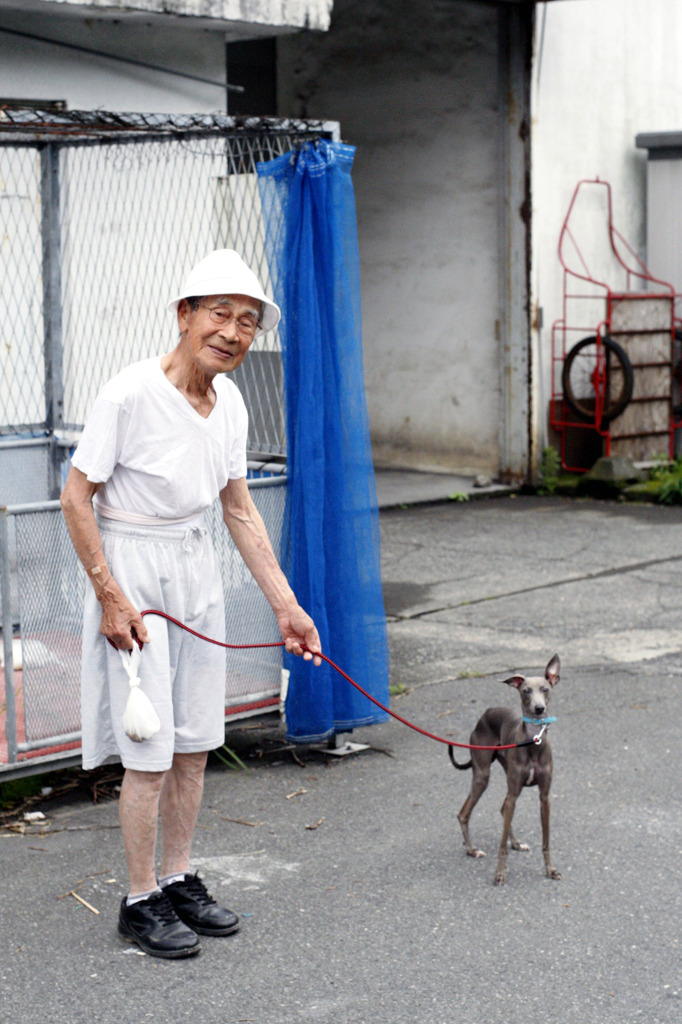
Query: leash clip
x=538, y=739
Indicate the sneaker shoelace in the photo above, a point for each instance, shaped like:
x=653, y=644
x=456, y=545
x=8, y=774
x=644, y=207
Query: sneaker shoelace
x=161, y=908
x=195, y=888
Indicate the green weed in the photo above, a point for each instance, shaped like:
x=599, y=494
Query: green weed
x=668, y=479
x=397, y=689
x=230, y=759
x=16, y=791
x=549, y=471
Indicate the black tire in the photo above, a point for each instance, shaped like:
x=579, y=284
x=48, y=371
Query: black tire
x=578, y=378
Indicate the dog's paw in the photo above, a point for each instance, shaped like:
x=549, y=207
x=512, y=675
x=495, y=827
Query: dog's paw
x=478, y=854
x=554, y=874
x=500, y=878
x=522, y=847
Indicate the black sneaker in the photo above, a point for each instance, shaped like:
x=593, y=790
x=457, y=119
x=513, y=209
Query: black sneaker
x=156, y=928
x=198, y=909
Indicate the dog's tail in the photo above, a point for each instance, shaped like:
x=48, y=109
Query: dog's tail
x=462, y=767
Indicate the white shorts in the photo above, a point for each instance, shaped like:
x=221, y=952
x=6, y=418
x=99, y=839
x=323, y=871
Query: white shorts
x=175, y=570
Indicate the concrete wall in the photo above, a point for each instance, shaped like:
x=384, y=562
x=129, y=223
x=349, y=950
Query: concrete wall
x=605, y=70
x=415, y=87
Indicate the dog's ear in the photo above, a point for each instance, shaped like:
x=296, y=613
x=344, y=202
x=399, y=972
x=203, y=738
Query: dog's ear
x=552, y=670
x=516, y=681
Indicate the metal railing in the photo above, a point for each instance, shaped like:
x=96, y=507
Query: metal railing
x=41, y=631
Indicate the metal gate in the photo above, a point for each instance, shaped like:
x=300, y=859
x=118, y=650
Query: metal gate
x=102, y=214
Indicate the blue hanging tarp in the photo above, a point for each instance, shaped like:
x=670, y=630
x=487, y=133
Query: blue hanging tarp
x=332, y=553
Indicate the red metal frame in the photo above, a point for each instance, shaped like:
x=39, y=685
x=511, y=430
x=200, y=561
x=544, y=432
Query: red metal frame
x=565, y=331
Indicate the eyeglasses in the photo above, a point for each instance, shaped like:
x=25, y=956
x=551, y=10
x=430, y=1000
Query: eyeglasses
x=247, y=324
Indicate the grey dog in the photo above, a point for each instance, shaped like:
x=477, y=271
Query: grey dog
x=527, y=765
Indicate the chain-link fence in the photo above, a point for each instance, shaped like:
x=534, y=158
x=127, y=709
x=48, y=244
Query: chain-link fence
x=102, y=216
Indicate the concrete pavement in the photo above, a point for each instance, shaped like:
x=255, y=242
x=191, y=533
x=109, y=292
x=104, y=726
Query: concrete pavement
x=358, y=903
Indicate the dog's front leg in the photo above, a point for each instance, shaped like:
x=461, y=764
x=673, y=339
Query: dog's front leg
x=507, y=815
x=544, y=819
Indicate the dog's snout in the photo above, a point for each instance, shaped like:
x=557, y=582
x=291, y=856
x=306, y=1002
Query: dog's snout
x=539, y=709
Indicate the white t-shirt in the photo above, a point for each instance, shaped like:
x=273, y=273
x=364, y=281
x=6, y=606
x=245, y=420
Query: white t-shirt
x=154, y=453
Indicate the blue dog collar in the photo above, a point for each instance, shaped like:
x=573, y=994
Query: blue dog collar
x=538, y=721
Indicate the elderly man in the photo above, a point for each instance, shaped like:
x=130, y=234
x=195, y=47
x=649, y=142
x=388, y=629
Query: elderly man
x=165, y=438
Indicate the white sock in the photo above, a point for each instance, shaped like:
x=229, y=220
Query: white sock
x=178, y=876
x=138, y=897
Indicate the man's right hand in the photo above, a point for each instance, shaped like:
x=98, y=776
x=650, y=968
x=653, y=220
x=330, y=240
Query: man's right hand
x=121, y=622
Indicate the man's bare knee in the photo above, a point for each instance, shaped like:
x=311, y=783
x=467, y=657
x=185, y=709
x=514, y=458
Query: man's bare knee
x=190, y=767
x=150, y=782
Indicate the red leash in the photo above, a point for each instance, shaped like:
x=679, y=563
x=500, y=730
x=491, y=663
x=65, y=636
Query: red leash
x=280, y=643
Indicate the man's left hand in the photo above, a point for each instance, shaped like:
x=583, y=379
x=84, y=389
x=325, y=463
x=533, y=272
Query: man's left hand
x=300, y=635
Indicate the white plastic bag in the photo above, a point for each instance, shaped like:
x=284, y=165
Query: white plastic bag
x=140, y=720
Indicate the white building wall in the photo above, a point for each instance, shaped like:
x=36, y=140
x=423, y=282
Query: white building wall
x=248, y=13
x=42, y=71
x=605, y=70
x=416, y=90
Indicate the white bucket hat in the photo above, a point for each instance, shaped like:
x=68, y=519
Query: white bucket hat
x=224, y=272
